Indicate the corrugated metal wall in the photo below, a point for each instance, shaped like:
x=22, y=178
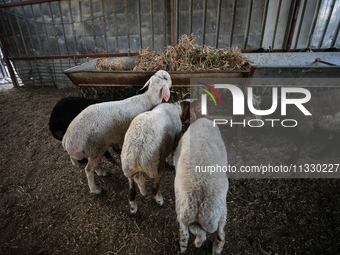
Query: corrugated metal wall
x=35, y=33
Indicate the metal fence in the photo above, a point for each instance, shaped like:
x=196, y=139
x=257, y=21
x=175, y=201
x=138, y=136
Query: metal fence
x=44, y=37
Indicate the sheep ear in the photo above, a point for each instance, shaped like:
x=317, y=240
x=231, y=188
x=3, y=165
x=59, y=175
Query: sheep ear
x=146, y=84
x=165, y=92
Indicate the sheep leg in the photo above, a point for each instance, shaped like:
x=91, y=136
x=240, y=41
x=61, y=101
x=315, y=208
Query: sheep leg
x=134, y=213
x=157, y=193
x=200, y=234
x=89, y=170
x=220, y=235
x=108, y=156
x=183, y=236
x=99, y=171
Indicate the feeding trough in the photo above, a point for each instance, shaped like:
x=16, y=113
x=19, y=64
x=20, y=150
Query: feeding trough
x=296, y=64
x=86, y=77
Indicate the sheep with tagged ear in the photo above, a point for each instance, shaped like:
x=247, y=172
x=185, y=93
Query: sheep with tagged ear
x=102, y=125
x=201, y=196
x=151, y=137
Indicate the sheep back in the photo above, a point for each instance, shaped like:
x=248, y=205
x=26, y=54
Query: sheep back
x=200, y=197
x=100, y=123
x=150, y=139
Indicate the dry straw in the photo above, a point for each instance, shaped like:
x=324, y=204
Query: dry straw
x=186, y=56
x=107, y=65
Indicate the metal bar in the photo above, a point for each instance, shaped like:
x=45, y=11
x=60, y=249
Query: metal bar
x=93, y=27
x=300, y=25
x=248, y=23
x=72, y=27
x=152, y=26
x=37, y=32
x=132, y=54
x=13, y=34
x=164, y=24
x=83, y=35
x=78, y=56
x=336, y=35
x=26, y=3
x=64, y=33
x=44, y=24
x=127, y=26
x=327, y=23
x=219, y=6
x=54, y=29
x=190, y=16
x=8, y=63
x=104, y=24
x=232, y=24
x=276, y=22
x=293, y=25
x=264, y=21
x=314, y=22
x=283, y=50
x=139, y=25
x=173, y=22
x=116, y=26
x=204, y=21
x=20, y=30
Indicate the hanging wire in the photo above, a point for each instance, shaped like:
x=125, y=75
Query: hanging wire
x=46, y=22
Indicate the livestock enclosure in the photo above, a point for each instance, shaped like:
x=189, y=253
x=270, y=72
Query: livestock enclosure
x=41, y=38
x=46, y=207
x=52, y=46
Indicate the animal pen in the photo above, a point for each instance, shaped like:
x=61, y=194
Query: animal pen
x=56, y=46
x=43, y=38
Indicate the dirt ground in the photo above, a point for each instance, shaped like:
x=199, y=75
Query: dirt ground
x=46, y=206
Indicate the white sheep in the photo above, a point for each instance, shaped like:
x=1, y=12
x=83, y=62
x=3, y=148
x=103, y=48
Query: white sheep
x=201, y=196
x=102, y=125
x=151, y=137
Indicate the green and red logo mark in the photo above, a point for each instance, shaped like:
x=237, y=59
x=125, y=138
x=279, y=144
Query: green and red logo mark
x=209, y=93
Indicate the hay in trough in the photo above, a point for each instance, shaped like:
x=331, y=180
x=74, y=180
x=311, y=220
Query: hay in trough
x=107, y=65
x=187, y=56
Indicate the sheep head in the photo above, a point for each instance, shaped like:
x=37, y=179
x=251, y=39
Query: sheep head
x=191, y=110
x=163, y=80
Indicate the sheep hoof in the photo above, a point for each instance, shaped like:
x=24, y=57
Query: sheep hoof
x=135, y=215
x=198, y=242
x=101, y=172
x=96, y=191
x=164, y=205
x=183, y=248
